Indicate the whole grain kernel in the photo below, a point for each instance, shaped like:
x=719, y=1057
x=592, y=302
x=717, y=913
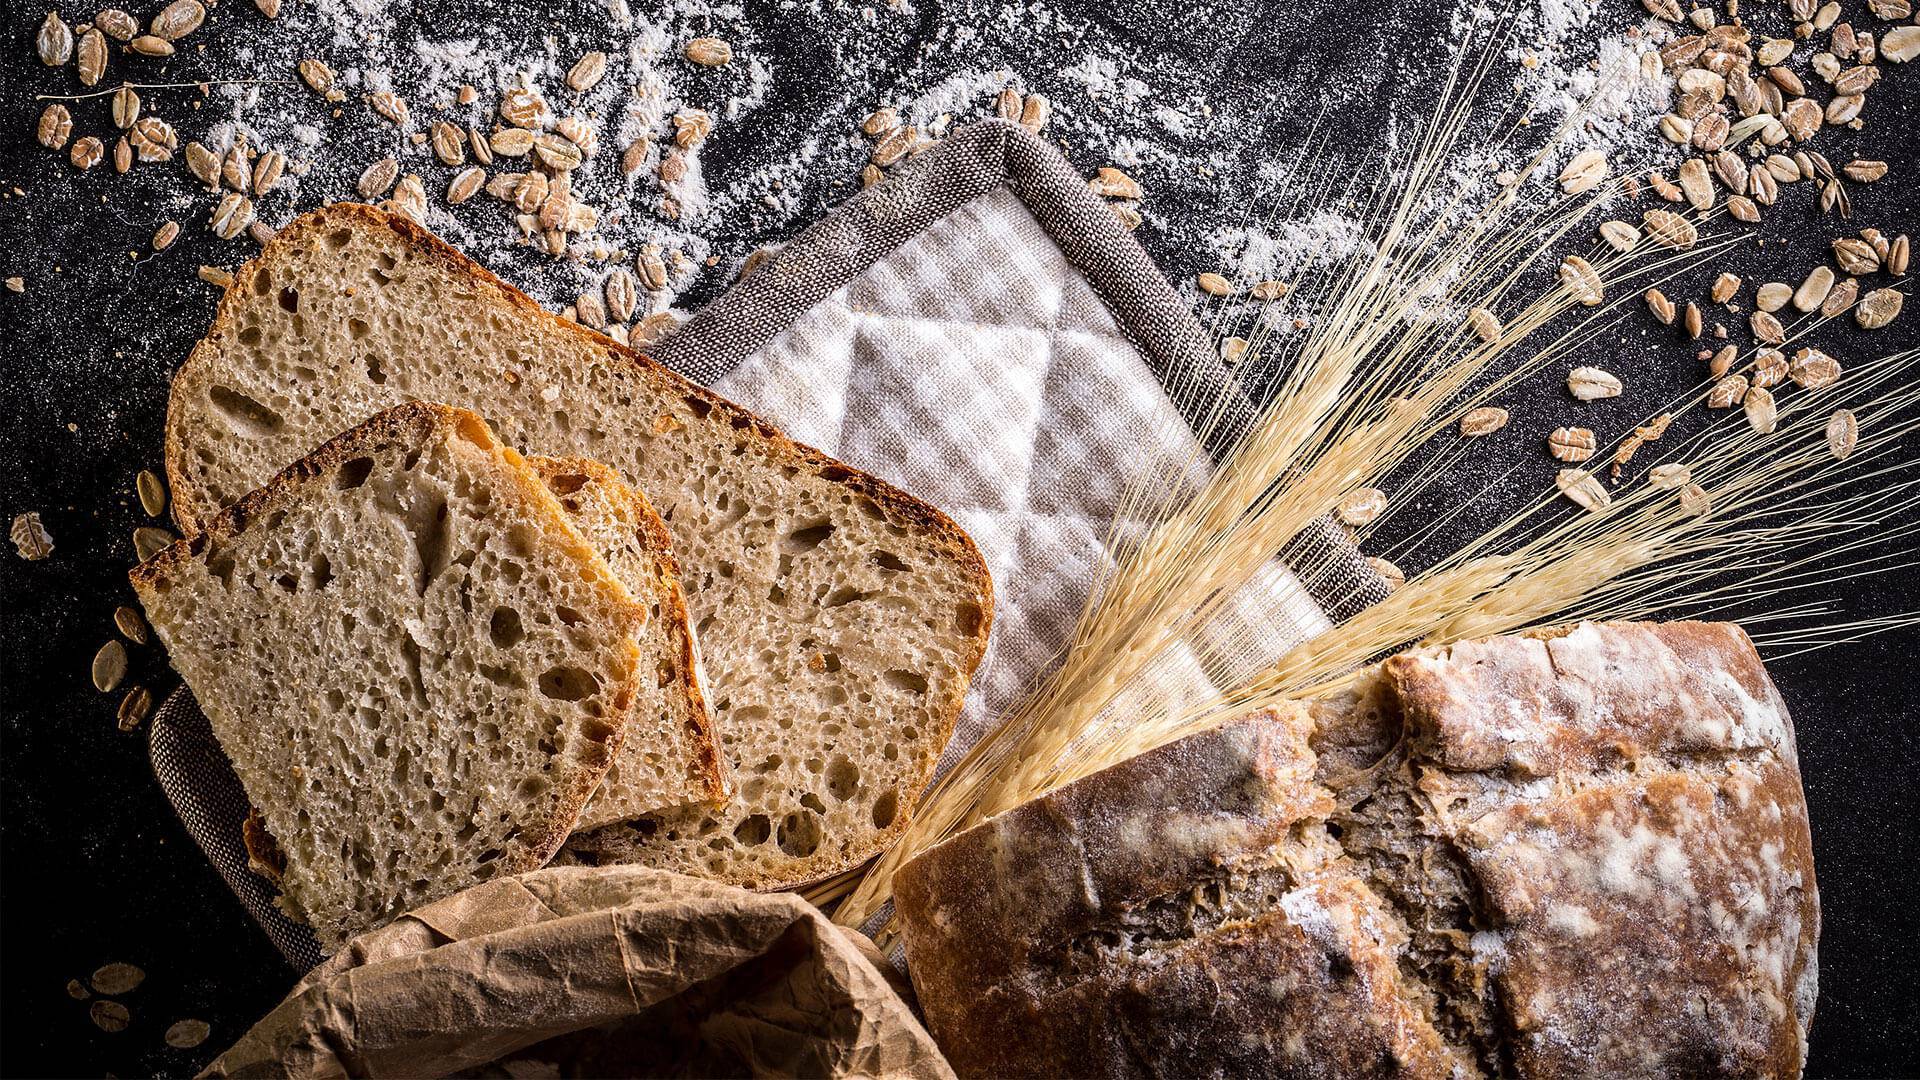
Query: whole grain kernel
x=1592, y=383
x=109, y=667
x=1762, y=415
x=149, y=540
x=1843, y=433
x=1582, y=489
x=709, y=52
x=1215, y=284
x=1362, y=507
x=134, y=707
x=1571, y=443
x=109, y=1016
x=1483, y=421
x=56, y=126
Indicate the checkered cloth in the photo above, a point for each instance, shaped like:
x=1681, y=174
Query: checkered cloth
x=984, y=362
x=981, y=331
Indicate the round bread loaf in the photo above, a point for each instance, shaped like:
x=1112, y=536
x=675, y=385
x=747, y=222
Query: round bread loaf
x=1579, y=853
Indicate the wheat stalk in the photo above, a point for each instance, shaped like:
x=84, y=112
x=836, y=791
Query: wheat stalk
x=1386, y=364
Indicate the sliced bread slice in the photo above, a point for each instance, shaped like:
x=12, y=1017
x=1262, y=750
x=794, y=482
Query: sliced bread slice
x=669, y=757
x=419, y=669
x=839, y=618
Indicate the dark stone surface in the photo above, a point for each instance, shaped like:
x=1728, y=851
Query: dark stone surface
x=94, y=867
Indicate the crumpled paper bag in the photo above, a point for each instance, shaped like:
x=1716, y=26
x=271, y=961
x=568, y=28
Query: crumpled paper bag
x=597, y=971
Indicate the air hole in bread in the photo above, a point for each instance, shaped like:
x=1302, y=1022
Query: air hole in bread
x=564, y=682
x=885, y=808
x=358, y=328
x=533, y=787
x=753, y=830
x=566, y=483
x=699, y=406
x=813, y=802
x=844, y=595
x=967, y=618
x=902, y=679
x=777, y=594
x=843, y=778
x=505, y=628
x=319, y=572
x=289, y=299
x=262, y=281
x=428, y=524
x=245, y=415
x=416, y=680
x=353, y=473
x=887, y=560
x=799, y=834
x=569, y=616
x=506, y=678
x=222, y=569
x=250, y=335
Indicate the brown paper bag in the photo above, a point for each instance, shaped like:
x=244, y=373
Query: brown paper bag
x=603, y=971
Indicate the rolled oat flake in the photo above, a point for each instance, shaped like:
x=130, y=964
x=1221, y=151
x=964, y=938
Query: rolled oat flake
x=117, y=978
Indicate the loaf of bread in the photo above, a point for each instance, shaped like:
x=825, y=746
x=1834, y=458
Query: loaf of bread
x=839, y=619
x=670, y=756
x=418, y=668
x=1577, y=854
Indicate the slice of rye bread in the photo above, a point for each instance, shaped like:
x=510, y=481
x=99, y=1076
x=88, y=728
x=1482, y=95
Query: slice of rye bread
x=417, y=666
x=683, y=764
x=839, y=618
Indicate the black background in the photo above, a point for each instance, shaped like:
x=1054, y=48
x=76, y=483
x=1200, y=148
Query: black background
x=95, y=868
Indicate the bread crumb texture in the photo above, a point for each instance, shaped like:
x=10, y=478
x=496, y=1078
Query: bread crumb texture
x=669, y=756
x=839, y=620
x=417, y=668
x=1583, y=853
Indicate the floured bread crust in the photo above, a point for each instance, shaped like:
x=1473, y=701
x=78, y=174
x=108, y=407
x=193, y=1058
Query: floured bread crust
x=1583, y=853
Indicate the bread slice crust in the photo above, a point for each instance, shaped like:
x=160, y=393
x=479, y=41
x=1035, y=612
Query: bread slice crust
x=414, y=425
x=600, y=502
x=482, y=296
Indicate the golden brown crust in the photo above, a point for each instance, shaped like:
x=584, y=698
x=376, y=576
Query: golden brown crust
x=711, y=767
x=1616, y=810
x=1137, y=923
x=943, y=534
x=264, y=856
x=417, y=422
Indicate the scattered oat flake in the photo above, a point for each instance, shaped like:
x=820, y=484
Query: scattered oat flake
x=1362, y=507
x=1581, y=488
x=1843, y=433
x=1391, y=574
x=187, y=1034
x=117, y=978
x=1484, y=420
x=30, y=536
x=1592, y=383
x=1669, y=476
x=110, y=1016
